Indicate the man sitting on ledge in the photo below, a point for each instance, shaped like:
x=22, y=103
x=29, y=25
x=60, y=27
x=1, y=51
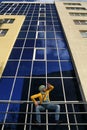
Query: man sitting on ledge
x=45, y=103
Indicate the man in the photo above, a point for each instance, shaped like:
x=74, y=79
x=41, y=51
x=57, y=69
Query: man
x=45, y=102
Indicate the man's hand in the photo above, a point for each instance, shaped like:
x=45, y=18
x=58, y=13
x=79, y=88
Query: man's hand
x=36, y=103
x=48, y=86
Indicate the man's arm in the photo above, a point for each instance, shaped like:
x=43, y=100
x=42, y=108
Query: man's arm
x=50, y=87
x=33, y=97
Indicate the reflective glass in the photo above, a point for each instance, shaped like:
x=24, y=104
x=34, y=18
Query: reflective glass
x=67, y=69
x=40, y=43
x=39, y=54
x=51, y=54
x=50, y=35
x=22, y=35
x=19, y=43
x=64, y=54
x=39, y=68
x=31, y=34
x=29, y=43
x=15, y=54
x=9, y=70
x=24, y=68
x=51, y=43
x=53, y=69
x=27, y=54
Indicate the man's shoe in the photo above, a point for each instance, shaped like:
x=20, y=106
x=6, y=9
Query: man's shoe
x=38, y=124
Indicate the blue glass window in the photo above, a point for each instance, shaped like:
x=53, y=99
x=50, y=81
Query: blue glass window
x=6, y=86
x=31, y=34
x=27, y=54
x=67, y=69
x=26, y=22
x=33, y=28
x=53, y=69
x=71, y=89
x=41, y=34
x=51, y=43
x=50, y=35
x=24, y=28
x=59, y=35
x=29, y=43
x=61, y=43
x=39, y=68
x=9, y=70
x=57, y=28
x=52, y=54
x=34, y=23
x=15, y=54
x=64, y=54
x=49, y=23
x=39, y=54
x=49, y=28
x=56, y=82
x=19, y=43
x=24, y=68
x=40, y=43
x=41, y=28
x=19, y=88
x=22, y=35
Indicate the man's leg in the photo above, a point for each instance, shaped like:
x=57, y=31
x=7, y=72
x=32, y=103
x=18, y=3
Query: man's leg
x=38, y=116
x=56, y=108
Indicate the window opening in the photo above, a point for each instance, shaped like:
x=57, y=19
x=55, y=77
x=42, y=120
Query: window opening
x=80, y=22
x=83, y=33
x=3, y=32
x=39, y=54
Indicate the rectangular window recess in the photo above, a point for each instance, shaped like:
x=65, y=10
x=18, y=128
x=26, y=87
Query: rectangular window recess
x=42, y=9
x=72, y=4
x=3, y=32
x=39, y=54
x=41, y=23
x=78, y=14
x=8, y=20
x=80, y=22
x=42, y=15
x=40, y=34
x=83, y=33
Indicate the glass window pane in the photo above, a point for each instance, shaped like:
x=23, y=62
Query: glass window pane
x=52, y=54
x=29, y=43
x=53, y=69
x=39, y=54
x=64, y=54
x=39, y=69
x=50, y=35
x=51, y=43
x=19, y=43
x=24, y=68
x=15, y=54
x=67, y=69
x=9, y=70
x=40, y=43
x=27, y=54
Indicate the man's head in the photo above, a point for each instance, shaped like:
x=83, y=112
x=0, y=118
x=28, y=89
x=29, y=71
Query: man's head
x=42, y=89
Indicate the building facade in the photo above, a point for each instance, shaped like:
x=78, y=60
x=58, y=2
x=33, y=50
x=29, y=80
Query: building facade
x=40, y=43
